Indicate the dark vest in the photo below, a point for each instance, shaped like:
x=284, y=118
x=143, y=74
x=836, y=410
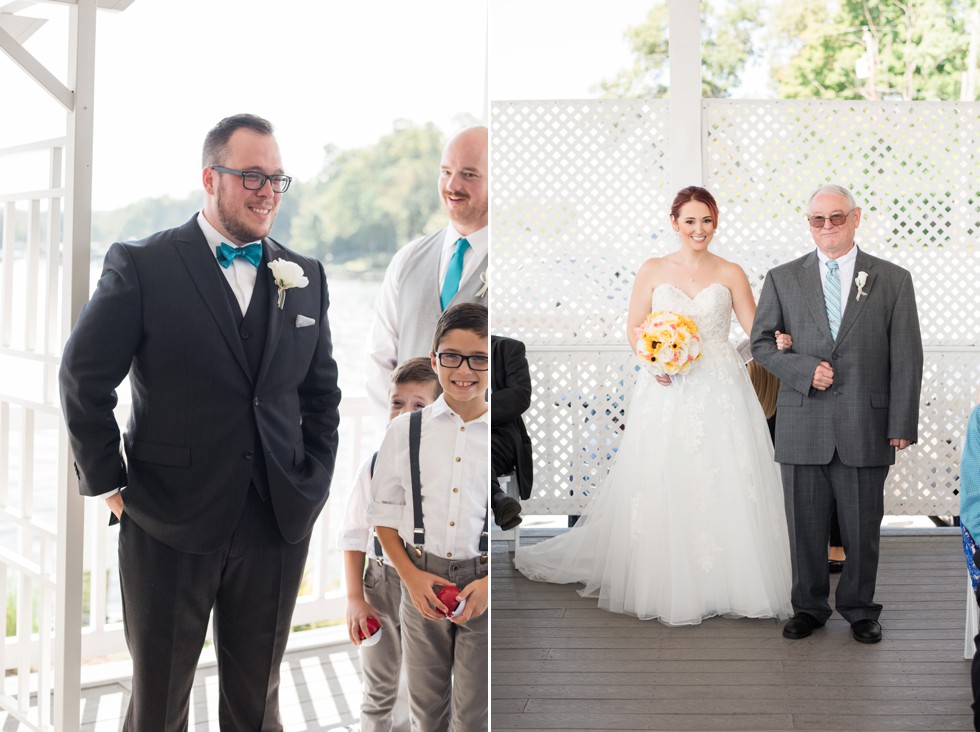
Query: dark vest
x=252, y=329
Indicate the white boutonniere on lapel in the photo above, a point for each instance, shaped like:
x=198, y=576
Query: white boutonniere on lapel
x=861, y=280
x=287, y=275
x=485, y=279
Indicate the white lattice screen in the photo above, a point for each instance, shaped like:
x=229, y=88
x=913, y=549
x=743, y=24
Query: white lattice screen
x=580, y=198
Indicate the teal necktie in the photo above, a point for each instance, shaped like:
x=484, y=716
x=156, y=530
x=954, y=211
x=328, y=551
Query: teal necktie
x=450, y=285
x=252, y=253
x=831, y=296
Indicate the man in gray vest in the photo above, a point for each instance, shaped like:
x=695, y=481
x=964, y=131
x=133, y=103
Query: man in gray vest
x=433, y=272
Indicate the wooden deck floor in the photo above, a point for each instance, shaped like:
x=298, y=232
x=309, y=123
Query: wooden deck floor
x=558, y=662
x=321, y=690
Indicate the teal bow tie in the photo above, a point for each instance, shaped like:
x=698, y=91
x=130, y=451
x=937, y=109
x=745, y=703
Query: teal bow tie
x=227, y=254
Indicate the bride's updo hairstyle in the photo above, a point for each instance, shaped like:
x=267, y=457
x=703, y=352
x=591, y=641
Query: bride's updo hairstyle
x=694, y=193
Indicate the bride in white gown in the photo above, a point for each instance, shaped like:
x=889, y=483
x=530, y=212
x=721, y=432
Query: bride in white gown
x=689, y=523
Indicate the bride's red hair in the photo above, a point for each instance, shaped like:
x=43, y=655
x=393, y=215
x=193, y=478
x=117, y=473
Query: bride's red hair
x=694, y=193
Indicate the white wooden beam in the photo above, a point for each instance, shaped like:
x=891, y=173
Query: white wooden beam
x=113, y=5
x=35, y=69
x=20, y=27
x=75, y=256
x=684, y=40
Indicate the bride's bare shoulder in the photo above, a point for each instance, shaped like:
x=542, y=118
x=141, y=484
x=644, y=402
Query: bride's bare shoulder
x=652, y=266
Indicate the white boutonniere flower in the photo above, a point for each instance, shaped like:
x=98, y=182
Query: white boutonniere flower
x=287, y=275
x=860, y=281
x=485, y=279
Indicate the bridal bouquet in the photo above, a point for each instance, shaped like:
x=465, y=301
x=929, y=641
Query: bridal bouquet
x=669, y=342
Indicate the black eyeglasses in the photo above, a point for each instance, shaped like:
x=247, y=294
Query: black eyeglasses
x=255, y=181
x=455, y=360
x=817, y=222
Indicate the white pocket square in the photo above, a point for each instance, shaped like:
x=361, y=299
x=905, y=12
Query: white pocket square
x=302, y=321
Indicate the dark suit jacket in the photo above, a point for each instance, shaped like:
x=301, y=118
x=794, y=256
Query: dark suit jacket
x=160, y=313
x=876, y=357
x=510, y=397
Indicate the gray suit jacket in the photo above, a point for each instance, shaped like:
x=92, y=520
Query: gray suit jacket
x=877, y=362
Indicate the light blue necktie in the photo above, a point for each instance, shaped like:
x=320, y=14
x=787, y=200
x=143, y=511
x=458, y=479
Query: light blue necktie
x=831, y=296
x=252, y=253
x=450, y=285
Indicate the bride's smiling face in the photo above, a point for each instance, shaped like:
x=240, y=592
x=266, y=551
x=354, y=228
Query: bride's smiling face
x=694, y=225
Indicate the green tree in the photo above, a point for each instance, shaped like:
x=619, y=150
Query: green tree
x=870, y=49
x=370, y=200
x=726, y=47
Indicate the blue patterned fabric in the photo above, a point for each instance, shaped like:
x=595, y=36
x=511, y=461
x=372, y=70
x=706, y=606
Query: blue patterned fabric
x=970, y=492
x=831, y=296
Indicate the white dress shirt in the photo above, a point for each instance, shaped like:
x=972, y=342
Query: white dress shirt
x=384, y=330
x=454, y=467
x=846, y=273
x=355, y=533
x=241, y=274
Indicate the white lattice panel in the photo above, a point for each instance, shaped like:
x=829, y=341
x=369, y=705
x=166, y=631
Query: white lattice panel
x=580, y=198
x=913, y=168
x=579, y=191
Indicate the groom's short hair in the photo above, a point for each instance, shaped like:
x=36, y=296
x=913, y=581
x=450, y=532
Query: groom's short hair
x=217, y=139
x=833, y=188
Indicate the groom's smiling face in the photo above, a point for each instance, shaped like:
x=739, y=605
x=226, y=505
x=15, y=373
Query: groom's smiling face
x=238, y=213
x=834, y=241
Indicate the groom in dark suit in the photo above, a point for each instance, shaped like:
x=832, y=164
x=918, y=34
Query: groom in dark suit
x=849, y=397
x=232, y=440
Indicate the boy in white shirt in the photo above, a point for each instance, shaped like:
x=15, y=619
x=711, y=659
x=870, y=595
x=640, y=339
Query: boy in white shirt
x=445, y=543
x=373, y=587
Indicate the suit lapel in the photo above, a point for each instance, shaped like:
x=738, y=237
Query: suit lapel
x=270, y=252
x=812, y=289
x=863, y=263
x=203, y=270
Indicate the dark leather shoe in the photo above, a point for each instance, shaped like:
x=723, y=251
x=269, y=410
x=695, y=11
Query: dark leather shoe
x=866, y=631
x=835, y=566
x=800, y=626
x=506, y=511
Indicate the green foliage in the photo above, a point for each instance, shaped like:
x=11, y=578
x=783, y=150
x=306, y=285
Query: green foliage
x=866, y=49
x=365, y=203
x=370, y=200
x=726, y=47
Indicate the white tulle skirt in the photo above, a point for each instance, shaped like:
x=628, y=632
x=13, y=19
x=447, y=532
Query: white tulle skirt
x=689, y=523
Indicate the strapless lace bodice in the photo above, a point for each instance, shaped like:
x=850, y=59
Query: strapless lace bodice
x=711, y=309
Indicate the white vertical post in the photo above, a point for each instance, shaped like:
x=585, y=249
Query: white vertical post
x=77, y=248
x=684, y=44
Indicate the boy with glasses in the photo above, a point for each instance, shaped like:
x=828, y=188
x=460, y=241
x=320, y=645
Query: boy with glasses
x=429, y=507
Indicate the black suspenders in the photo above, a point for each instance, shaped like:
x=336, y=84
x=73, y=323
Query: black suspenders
x=414, y=445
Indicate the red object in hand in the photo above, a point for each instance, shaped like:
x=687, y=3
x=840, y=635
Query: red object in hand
x=373, y=626
x=447, y=596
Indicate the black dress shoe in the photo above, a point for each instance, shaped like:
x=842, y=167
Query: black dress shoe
x=866, y=631
x=800, y=626
x=835, y=566
x=506, y=511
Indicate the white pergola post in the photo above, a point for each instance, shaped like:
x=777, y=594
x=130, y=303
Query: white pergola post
x=684, y=39
x=59, y=665
x=77, y=248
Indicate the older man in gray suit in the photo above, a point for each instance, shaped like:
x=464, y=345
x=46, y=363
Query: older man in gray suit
x=849, y=397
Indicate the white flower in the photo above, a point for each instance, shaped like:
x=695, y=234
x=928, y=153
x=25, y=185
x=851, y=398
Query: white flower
x=860, y=281
x=287, y=275
x=484, y=278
